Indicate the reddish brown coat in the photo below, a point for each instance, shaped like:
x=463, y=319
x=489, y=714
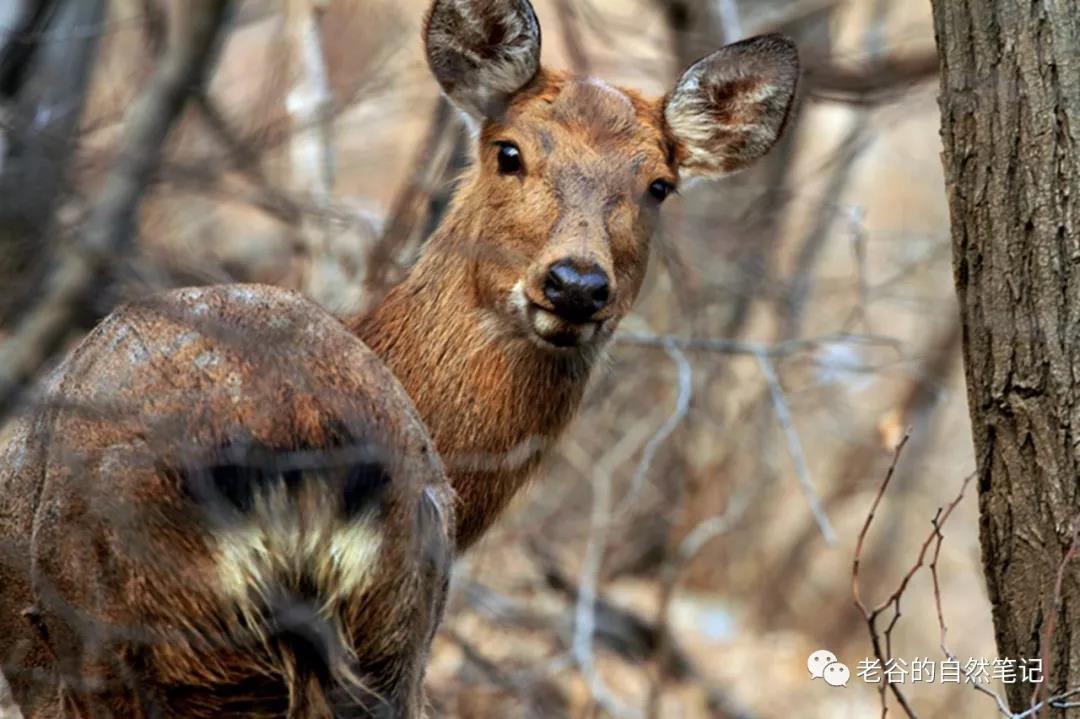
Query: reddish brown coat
x=187, y=528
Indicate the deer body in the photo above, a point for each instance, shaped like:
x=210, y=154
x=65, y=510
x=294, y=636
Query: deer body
x=236, y=527
x=233, y=504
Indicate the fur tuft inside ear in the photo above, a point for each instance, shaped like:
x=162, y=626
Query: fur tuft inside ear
x=482, y=51
x=729, y=108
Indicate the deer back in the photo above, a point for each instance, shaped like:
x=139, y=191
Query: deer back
x=230, y=498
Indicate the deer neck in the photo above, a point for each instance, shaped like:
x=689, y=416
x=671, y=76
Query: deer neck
x=493, y=401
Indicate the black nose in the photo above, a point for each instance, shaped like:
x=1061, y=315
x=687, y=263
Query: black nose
x=574, y=295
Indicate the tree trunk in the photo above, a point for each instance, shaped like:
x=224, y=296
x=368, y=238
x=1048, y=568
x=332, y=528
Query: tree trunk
x=1010, y=107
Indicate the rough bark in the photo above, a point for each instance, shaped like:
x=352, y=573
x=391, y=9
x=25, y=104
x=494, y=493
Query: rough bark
x=1010, y=106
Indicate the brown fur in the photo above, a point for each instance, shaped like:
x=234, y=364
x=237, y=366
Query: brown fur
x=119, y=570
x=492, y=399
x=229, y=505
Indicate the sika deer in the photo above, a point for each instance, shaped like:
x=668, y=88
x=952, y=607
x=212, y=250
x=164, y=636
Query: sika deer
x=228, y=505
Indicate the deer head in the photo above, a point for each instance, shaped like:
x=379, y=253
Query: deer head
x=558, y=211
x=546, y=243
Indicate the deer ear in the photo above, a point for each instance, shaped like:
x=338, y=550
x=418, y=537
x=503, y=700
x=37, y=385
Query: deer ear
x=482, y=51
x=729, y=108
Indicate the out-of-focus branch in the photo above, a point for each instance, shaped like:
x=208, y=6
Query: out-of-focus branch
x=879, y=81
x=917, y=406
x=8, y=710
x=675, y=564
x=582, y=647
x=796, y=298
x=17, y=50
x=570, y=26
x=407, y=215
x=270, y=199
x=730, y=22
x=310, y=105
x=534, y=689
x=110, y=230
x=697, y=29
x=618, y=629
x=44, y=75
x=798, y=457
x=155, y=26
x=812, y=245
x=310, y=101
x=682, y=408
x=756, y=349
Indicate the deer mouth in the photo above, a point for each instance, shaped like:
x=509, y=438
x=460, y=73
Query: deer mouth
x=552, y=331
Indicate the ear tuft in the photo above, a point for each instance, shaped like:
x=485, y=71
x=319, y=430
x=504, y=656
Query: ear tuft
x=482, y=51
x=729, y=108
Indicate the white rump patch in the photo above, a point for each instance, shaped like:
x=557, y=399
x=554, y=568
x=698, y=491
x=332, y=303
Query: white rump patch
x=285, y=538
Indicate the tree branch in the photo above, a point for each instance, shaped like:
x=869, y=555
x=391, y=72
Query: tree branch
x=110, y=231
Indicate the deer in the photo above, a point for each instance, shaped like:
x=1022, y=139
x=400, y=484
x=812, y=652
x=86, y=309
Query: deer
x=230, y=502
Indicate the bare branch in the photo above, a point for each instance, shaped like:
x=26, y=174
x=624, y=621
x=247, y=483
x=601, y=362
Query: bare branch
x=571, y=34
x=682, y=407
x=310, y=104
x=407, y=214
x=730, y=22
x=44, y=81
x=756, y=349
x=111, y=227
x=671, y=572
x=882, y=80
x=585, y=610
x=798, y=457
x=883, y=649
x=1055, y=613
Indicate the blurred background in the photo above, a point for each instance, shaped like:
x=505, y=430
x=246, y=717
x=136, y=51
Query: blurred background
x=692, y=541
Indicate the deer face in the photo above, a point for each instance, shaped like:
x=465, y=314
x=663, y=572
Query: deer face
x=562, y=201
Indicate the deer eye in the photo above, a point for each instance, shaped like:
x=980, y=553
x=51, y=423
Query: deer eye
x=660, y=189
x=509, y=159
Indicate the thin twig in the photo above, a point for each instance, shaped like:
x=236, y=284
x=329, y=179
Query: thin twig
x=936, y=583
x=868, y=614
x=883, y=654
x=756, y=349
x=678, y=414
x=585, y=609
x=1055, y=612
x=798, y=457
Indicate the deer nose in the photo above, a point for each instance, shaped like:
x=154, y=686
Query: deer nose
x=576, y=296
